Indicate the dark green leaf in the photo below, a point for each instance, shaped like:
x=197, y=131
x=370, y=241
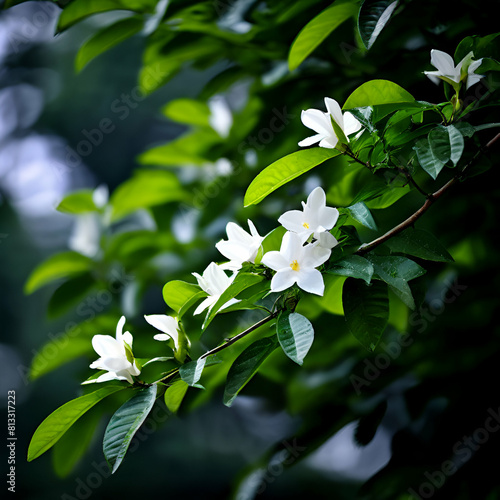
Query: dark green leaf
x=191, y=372
x=295, y=334
x=246, y=365
x=373, y=16
x=366, y=310
x=69, y=294
x=421, y=244
x=353, y=266
x=360, y=213
x=125, y=423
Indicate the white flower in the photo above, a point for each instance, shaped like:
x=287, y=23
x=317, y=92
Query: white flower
x=86, y=235
x=221, y=118
x=315, y=219
x=116, y=356
x=214, y=282
x=447, y=71
x=166, y=324
x=295, y=263
x=321, y=123
x=240, y=246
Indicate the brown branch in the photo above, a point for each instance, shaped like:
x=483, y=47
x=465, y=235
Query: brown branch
x=428, y=203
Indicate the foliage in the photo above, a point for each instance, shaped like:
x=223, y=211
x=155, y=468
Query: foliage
x=408, y=153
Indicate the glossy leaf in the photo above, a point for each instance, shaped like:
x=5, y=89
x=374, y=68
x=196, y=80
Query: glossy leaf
x=377, y=92
x=180, y=295
x=59, y=421
x=353, y=266
x=125, y=423
x=285, y=170
x=316, y=30
x=246, y=365
x=373, y=16
x=360, y=213
x=174, y=395
x=366, y=310
x=421, y=244
x=77, y=202
x=295, y=334
x=191, y=372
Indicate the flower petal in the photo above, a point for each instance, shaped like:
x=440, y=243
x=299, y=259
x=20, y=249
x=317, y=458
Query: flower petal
x=334, y=110
x=274, y=260
x=205, y=304
x=293, y=220
x=351, y=123
x=311, y=281
x=283, y=279
x=119, y=327
x=164, y=323
x=317, y=121
x=309, y=141
x=106, y=346
x=329, y=142
x=443, y=62
x=291, y=247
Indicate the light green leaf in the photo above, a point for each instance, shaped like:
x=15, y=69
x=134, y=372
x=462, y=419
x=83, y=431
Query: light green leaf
x=360, y=213
x=316, y=30
x=78, y=202
x=188, y=111
x=61, y=265
x=145, y=189
x=377, y=92
x=366, y=310
x=285, y=170
x=295, y=334
x=174, y=395
x=180, y=296
x=246, y=365
x=353, y=266
x=421, y=244
x=373, y=16
x=106, y=39
x=125, y=423
x=59, y=421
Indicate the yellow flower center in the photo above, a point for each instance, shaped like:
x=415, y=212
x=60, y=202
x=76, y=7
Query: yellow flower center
x=306, y=225
x=295, y=265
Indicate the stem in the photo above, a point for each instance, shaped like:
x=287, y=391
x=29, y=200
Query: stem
x=227, y=343
x=412, y=181
x=428, y=203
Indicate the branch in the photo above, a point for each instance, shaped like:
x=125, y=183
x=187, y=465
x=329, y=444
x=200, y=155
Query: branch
x=227, y=343
x=428, y=203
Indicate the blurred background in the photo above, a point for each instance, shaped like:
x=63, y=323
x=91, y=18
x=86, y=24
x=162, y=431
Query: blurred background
x=435, y=394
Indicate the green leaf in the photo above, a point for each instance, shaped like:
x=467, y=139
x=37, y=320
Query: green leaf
x=125, y=423
x=377, y=92
x=191, y=372
x=174, y=395
x=77, y=10
x=284, y=170
x=353, y=266
x=59, y=421
x=419, y=243
x=295, y=334
x=442, y=145
x=272, y=241
x=69, y=450
x=188, y=111
x=366, y=310
x=240, y=283
x=106, y=39
x=360, y=213
x=145, y=189
x=180, y=296
x=316, y=30
x=373, y=16
x=246, y=365
x=61, y=265
x=396, y=272
x=331, y=300
x=78, y=202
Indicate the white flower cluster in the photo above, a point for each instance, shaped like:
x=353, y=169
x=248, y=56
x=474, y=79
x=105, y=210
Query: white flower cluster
x=305, y=246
